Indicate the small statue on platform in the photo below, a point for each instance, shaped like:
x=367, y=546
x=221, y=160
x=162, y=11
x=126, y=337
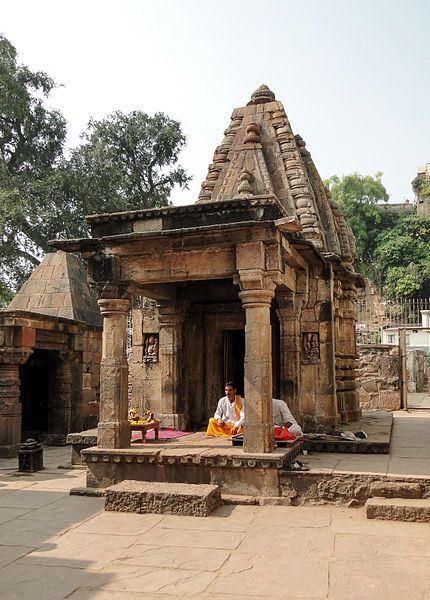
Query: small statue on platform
x=134, y=417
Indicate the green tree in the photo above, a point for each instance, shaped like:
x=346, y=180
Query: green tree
x=362, y=199
x=31, y=143
x=403, y=255
x=126, y=161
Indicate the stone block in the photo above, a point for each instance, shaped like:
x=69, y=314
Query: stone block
x=397, y=489
x=398, y=509
x=163, y=498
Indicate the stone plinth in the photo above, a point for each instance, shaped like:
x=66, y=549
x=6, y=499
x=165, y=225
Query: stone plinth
x=79, y=441
x=235, y=471
x=163, y=498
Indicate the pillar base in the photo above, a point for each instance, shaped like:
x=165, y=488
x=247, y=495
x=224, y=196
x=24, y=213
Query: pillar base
x=113, y=434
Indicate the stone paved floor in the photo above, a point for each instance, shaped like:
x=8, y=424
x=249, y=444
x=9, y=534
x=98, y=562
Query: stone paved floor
x=55, y=546
x=409, y=451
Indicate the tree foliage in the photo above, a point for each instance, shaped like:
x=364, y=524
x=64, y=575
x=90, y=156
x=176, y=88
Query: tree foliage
x=124, y=162
x=31, y=143
x=403, y=254
x=362, y=199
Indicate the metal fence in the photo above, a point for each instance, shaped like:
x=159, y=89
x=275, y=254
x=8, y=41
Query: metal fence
x=374, y=314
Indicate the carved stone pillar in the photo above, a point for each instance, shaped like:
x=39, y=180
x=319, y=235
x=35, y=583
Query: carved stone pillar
x=289, y=311
x=171, y=318
x=10, y=405
x=113, y=427
x=60, y=417
x=258, y=430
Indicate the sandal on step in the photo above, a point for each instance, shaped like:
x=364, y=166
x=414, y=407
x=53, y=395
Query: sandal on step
x=295, y=466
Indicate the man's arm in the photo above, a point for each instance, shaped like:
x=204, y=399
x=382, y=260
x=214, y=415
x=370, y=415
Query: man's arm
x=219, y=413
x=285, y=414
x=239, y=423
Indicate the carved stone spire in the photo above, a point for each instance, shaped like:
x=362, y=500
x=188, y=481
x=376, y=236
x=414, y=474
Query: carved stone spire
x=261, y=95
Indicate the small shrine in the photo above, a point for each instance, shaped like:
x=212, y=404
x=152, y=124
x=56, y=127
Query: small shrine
x=254, y=282
x=50, y=352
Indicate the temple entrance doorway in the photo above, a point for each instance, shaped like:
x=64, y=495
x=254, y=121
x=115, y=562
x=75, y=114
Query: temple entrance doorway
x=37, y=376
x=234, y=357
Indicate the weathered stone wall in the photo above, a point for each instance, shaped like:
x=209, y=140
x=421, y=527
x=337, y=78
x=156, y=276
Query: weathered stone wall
x=91, y=358
x=145, y=372
x=378, y=377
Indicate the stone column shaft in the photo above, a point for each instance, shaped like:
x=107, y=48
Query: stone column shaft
x=113, y=427
x=10, y=405
x=258, y=430
x=171, y=321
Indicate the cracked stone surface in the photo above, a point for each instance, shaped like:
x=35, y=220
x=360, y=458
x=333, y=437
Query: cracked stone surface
x=54, y=546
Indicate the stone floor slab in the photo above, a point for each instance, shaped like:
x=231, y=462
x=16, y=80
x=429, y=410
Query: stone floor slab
x=119, y=523
x=288, y=542
x=191, y=538
x=225, y=518
x=8, y=554
x=194, y=559
x=29, y=498
x=129, y=579
x=82, y=551
x=24, y=581
x=366, y=545
x=379, y=578
x=8, y=514
x=264, y=574
x=289, y=516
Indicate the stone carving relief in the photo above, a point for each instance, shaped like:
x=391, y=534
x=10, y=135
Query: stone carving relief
x=310, y=347
x=150, y=347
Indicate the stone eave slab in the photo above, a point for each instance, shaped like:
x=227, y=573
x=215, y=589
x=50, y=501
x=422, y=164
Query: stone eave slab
x=186, y=217
x=22, y=318
x=87, y=244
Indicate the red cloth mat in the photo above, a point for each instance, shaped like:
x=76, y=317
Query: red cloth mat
x=164, y=433
x=282, y=433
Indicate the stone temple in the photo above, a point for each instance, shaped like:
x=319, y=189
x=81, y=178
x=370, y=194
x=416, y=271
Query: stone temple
x=254, y=282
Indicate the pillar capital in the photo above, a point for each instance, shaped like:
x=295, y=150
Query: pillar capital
x=254, y=298
x=14, y=356
x=112, y=306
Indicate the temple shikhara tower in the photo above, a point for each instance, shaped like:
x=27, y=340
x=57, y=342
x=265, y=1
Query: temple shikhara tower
x=252, y=283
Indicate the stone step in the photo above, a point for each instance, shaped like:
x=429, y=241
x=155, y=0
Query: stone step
x=398, y=509
x=163, y=498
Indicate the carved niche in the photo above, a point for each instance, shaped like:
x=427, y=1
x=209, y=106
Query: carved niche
x=150, y=347
x=310, y=347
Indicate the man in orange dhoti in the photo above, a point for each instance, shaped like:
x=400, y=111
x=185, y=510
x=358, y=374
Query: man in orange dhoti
x=229, y=415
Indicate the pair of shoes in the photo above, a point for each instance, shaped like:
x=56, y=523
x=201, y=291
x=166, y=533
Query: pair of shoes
x=295, y=466
x=362, y=435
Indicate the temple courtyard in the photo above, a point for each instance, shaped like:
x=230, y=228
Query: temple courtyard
x=54, y=545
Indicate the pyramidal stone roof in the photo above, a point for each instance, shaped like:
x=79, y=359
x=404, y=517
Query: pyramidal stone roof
x=261, y=157
x=58, y=287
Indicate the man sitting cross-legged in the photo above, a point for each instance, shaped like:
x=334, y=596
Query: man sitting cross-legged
x=229, y=415
x=282, y=417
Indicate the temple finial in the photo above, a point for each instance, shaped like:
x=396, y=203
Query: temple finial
x=261, y=95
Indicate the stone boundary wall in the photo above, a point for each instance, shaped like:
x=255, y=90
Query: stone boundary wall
x=378, y=377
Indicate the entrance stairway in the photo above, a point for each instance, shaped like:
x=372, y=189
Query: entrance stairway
x=398, y=502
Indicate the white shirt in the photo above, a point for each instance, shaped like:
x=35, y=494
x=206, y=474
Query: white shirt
x=226, y=411
x=282, y=415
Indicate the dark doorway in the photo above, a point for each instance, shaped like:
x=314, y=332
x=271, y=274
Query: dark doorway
x=234, y=357
x=36, y=384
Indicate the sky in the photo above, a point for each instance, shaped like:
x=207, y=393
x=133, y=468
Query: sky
x=353, y=75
